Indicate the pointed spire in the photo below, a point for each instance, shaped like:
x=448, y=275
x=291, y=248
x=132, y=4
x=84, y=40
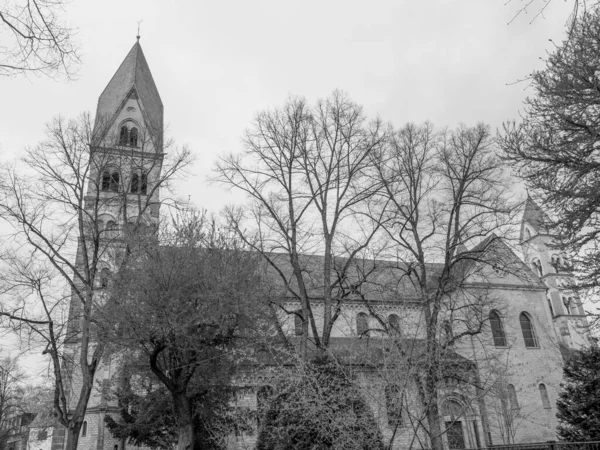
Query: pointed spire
x=133, y=78
x=534, y=215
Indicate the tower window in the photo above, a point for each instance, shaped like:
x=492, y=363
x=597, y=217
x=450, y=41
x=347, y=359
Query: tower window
x=84, y=429
x=110, y=181
x=536, y=265
x=133, y=137
x=123, y=135
x=528, y=332
x=497, y=330
x=139, y=183
x=114, y=181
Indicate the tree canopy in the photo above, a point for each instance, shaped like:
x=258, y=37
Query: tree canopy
x=579, y=401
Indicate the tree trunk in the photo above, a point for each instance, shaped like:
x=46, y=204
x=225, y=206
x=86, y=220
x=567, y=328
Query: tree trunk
x=183, y=410
x=73, y=435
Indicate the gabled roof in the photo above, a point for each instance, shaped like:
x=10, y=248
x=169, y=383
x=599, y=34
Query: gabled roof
x=535, y=216
x=133, y=78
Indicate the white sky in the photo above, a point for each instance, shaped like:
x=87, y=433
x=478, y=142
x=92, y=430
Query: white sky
x=216, y=64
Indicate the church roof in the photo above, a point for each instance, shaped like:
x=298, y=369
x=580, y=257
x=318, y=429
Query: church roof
x=535, y=216
x=133, y=77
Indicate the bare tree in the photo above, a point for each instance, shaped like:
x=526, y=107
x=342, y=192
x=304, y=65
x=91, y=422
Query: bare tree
x=304, y=171
x=555, y=147
x=35, y=40
x=56, y=205
x=443, y=192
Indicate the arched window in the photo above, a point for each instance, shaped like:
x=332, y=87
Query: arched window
x=84, y=429
x=144, y=185
x=512, y=397
x=133, y=137
x=104, y=278
x=123, y=135
x=394, y=324
x=135, y=183
x=452, y=409
x=527, y=330
x=298, y=323
x=116, y=447
x=106, y=180
x=555, y=262
x=567, y=304
x=139, y=184
x=111, y=229
x=536, y=265
x=527, y=233
x=362, y=325
x=544, y=396
x=114, y=181
x=393, y=405
x=497, y=330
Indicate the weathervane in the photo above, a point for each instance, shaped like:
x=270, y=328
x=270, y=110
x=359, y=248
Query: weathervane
x=138, y=33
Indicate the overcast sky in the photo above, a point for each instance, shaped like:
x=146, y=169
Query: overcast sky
x=217, y=63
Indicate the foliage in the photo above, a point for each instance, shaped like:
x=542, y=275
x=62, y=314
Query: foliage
x=318, y=407
x=556, y=147
x=579, y=401
x=188, y=302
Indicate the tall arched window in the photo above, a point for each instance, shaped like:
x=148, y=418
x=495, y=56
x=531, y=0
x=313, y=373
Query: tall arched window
x=566, y=302
x=393, y=405
x=135, y=183
x=139, y=183
x=536, y=265
x=133, y=137
x=106, y=180
x=527, y=330
x=362, y=325
x=527, y=233
x=298, y=323
x=123, y=135
x=84, y=429
x=512, y=397
x=550, y=306
x=394, y=324
x=544, y=396
x=104, y=278
x=114, y=181
x=497, y=329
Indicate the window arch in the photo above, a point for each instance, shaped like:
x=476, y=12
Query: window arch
x=110, y=180
x=497, y=329
x=544, y=396
x=512, y=397
x=362, y=325
x=298, y=323
x=536, y=265
x=527, y=330
x=394, y=324
x=133, y=137
x=393, y=405
x=527, y=233
x=567, y=304
x=116, y=447
x=84, y=429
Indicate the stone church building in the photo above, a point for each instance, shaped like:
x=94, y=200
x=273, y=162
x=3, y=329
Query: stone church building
x=517, y=360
